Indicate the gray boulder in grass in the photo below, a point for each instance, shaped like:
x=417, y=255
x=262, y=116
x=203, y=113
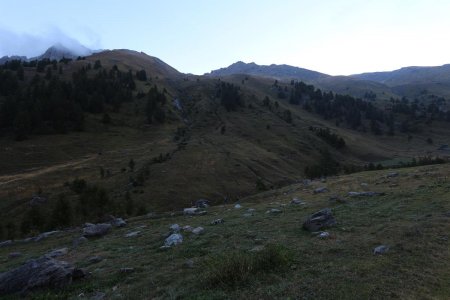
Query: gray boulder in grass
x=96, y=230
x=44, y=272
x=320, y=220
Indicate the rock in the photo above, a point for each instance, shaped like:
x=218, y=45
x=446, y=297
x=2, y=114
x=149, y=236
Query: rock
x=382, y=249
x=202, y=203
x=13, y=255
x=246, y=215
x=319, y=220
x=97, y=296
x=297, y=201
x=198, y=230
x=306, y=182
x=364, y=184
x=337, y=199
x=324, y=235
x=258, y=248
x=217, y=221
x=88, y=225
x=175, y=228
x=76, y=242
x=202, y=213
x=191, y=211
x=45, y=235
x=173, y=239
x=118, y=222
x=364, y=194
x=6, y=243
x=37, y=200
x=44, y=272
x=237, y=206
x=274, y=211
x=320, y=190
x=58, y=252
x=97, y=230
x=132, y=234
x=188, y=228
x=392, y=174
x=126, y=270
x=95, y=259
x=251, y=210
x=188, y=264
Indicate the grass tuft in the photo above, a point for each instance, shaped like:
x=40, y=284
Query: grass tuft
x=238, y=268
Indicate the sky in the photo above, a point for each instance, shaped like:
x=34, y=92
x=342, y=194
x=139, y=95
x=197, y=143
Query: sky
x=337, y=37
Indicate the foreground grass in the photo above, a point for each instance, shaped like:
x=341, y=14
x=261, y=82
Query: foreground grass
x=285, y=262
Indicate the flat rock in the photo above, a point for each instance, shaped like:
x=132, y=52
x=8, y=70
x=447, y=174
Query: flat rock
x=132, y=234
x=320, y=190
x=44, y=272
x=173, y=239
x=6, y=243
x=188, y=228
x=392, y=174
x=237, y=206
x=217, y=221
x=297, y=201
x=198, y=230
x=365, y=194
x=382, y=249
x=274, y=211
x=97, y=230
x=319, y=220
x=118, y=222
x=58, y=252
x=191, y=211
x=95, y=259
x=337, y=199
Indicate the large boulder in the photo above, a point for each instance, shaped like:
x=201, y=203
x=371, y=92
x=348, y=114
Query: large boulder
x=173, y=239
x=44, y=272
x=319, y=220
x=96, y=230
x=202, y=203
x=118, y=222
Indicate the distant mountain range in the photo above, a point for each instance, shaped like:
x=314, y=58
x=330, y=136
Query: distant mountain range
x=57, y=51
x=276, y=71
x=408, y=81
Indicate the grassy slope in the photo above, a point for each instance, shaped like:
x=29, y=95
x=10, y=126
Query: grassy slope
x=211, y=165
x=412, y=218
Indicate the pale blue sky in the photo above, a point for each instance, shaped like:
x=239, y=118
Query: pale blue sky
x=330, y=36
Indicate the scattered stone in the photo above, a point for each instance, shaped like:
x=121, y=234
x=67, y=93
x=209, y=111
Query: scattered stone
x=337, y=199
x=297, y=201
x=324, y=235
x=251, y=210
x=382, y=249
x=58, y=252
x=306, y=182
x=13, y=255
x=246, y=215
x=392, y=174
x=188, y=264
x=118, y=222
x=45, y=235
x=173, y=239
x=126, y=270
x=202, y=203
x=76, y=242
x=6, y=243
x=198, y=230
x=319, y=220
x=237, y=206
x=364, y=184
x=175, y=228
x=320, y=190
x=217, y=221
x=44, y=272
x=97, y=230
x=132, y=234
x=37, y=200
x=365, y=194
x=95, y=259
x=191, y=211
x=188, y=228
x=274, y=211
x=258, y=248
